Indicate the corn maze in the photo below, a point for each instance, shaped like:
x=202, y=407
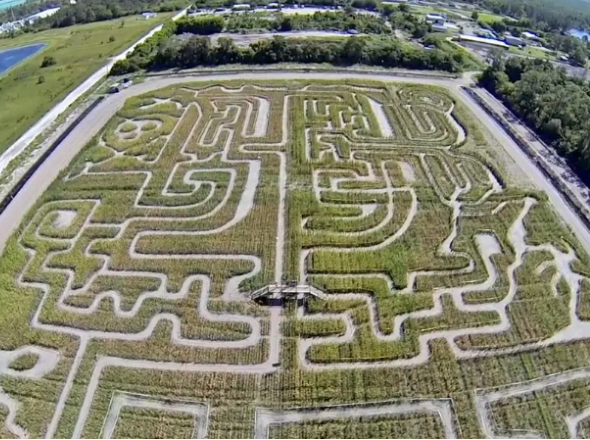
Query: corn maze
x=455, y=302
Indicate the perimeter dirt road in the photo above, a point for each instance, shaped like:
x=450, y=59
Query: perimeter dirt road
x=92, y=124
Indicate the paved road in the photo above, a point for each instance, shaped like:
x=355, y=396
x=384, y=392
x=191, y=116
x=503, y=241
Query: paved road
x=91, y=125
x=48, y=118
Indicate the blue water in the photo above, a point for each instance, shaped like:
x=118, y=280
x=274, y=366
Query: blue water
x=5, y=4
x=11, y=57
x=579, y=33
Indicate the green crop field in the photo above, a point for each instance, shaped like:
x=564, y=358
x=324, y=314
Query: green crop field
x=425, y=293
x=79, y=51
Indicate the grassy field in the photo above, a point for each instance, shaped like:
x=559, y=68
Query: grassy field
x=489, y=18
x=533, y=52
x=443, y=281
x=78, y=50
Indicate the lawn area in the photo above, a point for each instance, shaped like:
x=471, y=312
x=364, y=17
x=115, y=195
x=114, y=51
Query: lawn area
x=533, y=52
x=78, y=50
x=489, y=18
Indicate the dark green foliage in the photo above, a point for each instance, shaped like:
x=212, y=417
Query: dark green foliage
x=206, y=25
x=556, y=106
x=48, y=61
x=163, y=52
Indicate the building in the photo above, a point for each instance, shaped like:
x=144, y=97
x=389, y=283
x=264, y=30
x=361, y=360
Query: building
x=514, y=41
x=148, y=14
x=446, y=27
x=479, y=42
x=439, y=19
x=486, y=33
x=241, y=7
x=273, y=6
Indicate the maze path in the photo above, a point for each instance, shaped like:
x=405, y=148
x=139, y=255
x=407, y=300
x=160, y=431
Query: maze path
x=195, y=195
x=441, y=408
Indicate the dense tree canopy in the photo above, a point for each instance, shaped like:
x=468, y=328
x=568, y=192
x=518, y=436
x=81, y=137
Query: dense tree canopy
x=164, y=50
x=555, y=105
x=88, y=11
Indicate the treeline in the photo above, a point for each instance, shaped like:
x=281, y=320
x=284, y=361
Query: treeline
x=164, y=52
x=89, y=11
x=556, y=106
x=548, y=15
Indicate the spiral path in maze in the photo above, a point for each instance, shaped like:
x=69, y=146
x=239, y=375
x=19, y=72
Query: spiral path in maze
x=451, y=300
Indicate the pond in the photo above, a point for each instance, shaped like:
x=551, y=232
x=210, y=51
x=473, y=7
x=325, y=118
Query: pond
x=5, y=4
x=11, y=57
x=579, y=33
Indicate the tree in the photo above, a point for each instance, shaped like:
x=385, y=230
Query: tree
x=579, y=55
x=387, y=10
x=403, y=8
x=41, y=80
x=48, y=61
x=475, y=15
x=353, y=50
x=421, y=30
x=194, y=52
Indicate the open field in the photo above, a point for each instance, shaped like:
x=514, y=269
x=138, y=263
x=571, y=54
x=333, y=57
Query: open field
x=489, y=18
x=454, y=301
x=78, y=51
x=535, y=52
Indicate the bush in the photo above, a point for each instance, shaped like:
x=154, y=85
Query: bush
x=41, y=80
x=48, y=61
x=123, y=67
x=201, y=25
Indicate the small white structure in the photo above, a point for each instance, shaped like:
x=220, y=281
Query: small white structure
x=241, y=7
x=273, y=6
x=148, y=14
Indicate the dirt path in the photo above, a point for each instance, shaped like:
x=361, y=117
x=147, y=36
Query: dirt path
x=486, y=245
